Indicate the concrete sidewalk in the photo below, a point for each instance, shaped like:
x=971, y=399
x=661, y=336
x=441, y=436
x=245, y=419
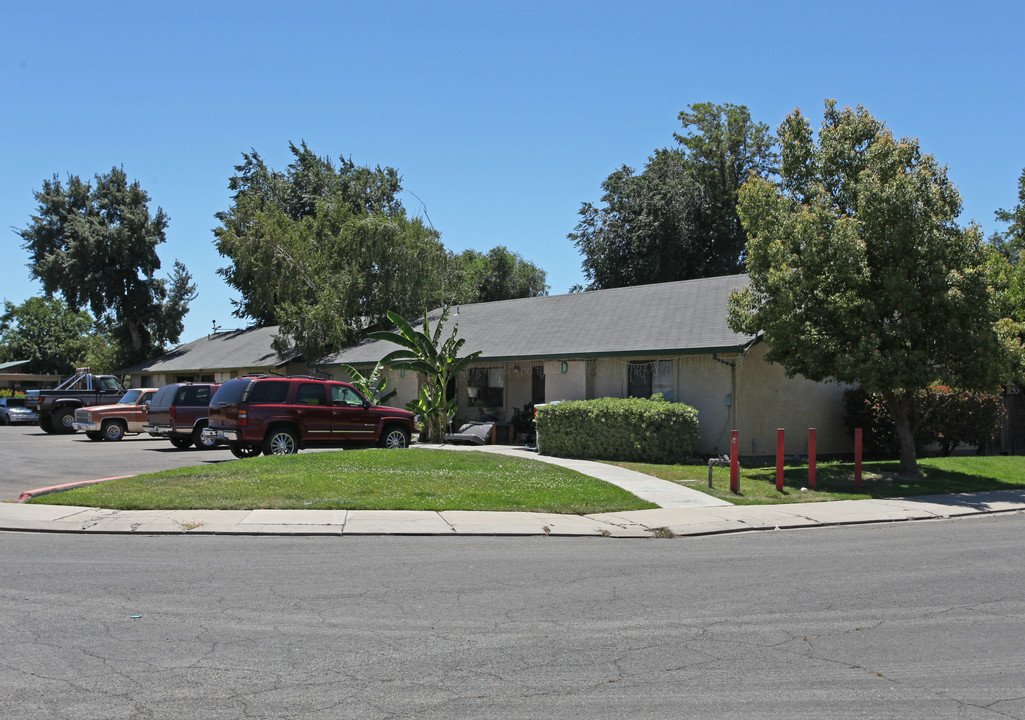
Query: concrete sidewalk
x=683, y=511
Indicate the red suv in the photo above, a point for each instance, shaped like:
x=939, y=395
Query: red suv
x=279, y=416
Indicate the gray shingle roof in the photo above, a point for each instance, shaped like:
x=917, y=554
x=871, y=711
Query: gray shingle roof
x=248, y=349
x=668, y=318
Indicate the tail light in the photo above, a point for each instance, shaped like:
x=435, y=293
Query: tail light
x=242, y=417
x=172, y=414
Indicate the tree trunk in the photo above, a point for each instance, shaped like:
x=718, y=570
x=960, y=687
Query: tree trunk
x=902, y=410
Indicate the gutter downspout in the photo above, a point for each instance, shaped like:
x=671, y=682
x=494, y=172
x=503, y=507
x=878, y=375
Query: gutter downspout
x=734, y=413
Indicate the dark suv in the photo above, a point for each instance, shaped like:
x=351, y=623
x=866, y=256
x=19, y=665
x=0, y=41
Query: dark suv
x=178, y=412
x=279, y=416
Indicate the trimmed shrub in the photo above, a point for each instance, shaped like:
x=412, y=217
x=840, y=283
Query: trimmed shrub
x=621, y=429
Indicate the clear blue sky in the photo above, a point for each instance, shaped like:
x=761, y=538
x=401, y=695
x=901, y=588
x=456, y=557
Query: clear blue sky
x=501, y=118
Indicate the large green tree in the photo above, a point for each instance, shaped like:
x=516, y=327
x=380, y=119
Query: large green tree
x=325, y=251
x=1008, y=247
x=677, y=219
x=860, y=272
x=46, y=332
x=498, y=274
x=95, y=244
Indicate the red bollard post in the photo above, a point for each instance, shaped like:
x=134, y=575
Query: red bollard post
x=779, y=459
x=811, y=458
x=857, y=458
x=734, y=461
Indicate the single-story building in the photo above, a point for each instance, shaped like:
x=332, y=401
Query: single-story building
x=668, y=338
x=218, y=357
x=12, y=377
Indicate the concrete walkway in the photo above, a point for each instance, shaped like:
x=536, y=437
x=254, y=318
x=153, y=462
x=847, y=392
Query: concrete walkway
x=682, y=511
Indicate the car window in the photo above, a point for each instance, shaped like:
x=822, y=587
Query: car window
x=269, y=392
x=109, y=383
x=310, y=394
x=194, y=395
x=345, y=396
x=164, y=396
x=230, y=393
x=130, y=397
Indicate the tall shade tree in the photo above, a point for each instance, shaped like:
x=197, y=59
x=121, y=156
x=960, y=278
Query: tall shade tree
x=677, y=219
x=498, y=274
x=860, y=272
x=46, y=332
x=95, y=244
x=325, y=251
x=1009, y=280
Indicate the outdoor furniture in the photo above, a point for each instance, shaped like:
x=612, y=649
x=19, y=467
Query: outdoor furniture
x=477, y=433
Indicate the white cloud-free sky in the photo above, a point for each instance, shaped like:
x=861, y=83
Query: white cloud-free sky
x=501, y=118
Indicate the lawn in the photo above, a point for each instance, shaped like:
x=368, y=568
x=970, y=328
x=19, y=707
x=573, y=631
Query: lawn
x=362, y=480
x=835, y=481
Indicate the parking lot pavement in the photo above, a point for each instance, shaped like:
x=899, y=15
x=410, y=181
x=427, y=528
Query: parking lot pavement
x=31, y=458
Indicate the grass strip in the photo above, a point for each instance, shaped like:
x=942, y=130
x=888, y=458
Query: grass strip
x=835, y=480
x=369, y=479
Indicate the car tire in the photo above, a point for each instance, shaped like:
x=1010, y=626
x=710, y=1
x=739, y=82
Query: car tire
x=94, y=435
x=182, y=443
x=395, y=437
x=4, y=420
x=281, y=441
x=200, y=442
x=114, y=430
x=44, y=423
x=62, y=419
x=245, y=451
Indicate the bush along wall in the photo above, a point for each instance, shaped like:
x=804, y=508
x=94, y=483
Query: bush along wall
x=620, y=429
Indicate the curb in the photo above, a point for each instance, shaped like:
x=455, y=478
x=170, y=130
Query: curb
x=29, y=494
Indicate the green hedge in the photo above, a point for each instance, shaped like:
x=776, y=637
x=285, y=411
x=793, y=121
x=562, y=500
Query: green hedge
x=621, y=429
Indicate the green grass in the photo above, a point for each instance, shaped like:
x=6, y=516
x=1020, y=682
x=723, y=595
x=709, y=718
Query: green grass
x=362, y=480
x=835, y=481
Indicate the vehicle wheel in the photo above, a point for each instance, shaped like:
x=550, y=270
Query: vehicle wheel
x=245, y=451
x=62, y=419
x=199, y=442
x=93, y=435
x=114, y=430
x=5, y=420
x=44, y=423
x=395, y=437
x=181, y=443
x=280, y=441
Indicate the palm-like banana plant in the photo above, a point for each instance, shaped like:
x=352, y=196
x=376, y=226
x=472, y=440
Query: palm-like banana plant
x=421, y=352
x=371, y=386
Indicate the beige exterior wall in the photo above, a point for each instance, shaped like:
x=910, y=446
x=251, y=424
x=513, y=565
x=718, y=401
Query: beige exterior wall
x=728, y=391
x=567, y=380
x=769, y=400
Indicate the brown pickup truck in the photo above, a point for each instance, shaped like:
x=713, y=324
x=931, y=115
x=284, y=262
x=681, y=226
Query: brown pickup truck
x=113, y=422
x=179, y=413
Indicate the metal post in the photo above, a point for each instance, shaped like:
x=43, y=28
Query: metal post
x=734, y=461
x=779, y=459
x=811, y=458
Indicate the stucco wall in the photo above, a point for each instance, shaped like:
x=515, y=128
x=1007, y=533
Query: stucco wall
x=566, y=380
x=769, y=400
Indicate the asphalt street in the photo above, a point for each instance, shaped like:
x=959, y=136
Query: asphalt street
x=907, y=620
